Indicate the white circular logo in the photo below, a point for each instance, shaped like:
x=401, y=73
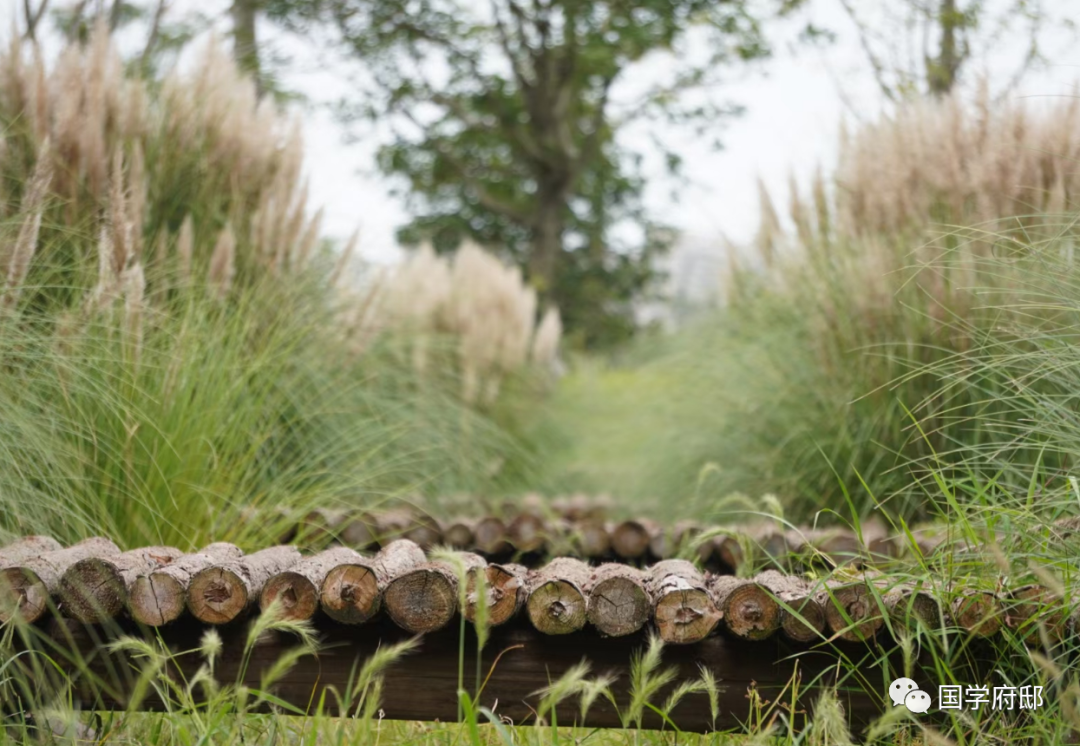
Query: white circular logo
x=906, y=692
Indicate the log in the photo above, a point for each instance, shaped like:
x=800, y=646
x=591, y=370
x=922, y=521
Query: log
x=352, y=592
x=591, y=538
x=359, y=532
x=95, y=589
x=296, y=590
x=979, y=612
x=459, y=535
x=507, y=591
x=320, y=527
x=804, y=618
x=490, y=535
x=618, y=602
x=773, y=542
x=1034, y=609
x=527, y=532
x=747, y=609
x=909, y=606
x=630, y=539
x=425, y=598
x=851, y=611
x=684, y=610
x=728, y=549
x=160, y=597
x=424, y=531
x=557, y=602
x=27, y=584
x=26, y=547
x=222, y=592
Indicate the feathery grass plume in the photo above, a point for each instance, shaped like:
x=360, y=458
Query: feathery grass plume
x=185, y=249
x=119, y=216
x=222, y=264
x=17, y=263
x=107, y=288
x=136, y=204
x=133, y=285
x=829, y=726
x=646, y=680
x=341, y=267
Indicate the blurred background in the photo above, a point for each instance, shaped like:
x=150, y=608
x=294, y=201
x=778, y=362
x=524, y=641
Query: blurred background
x=812, y=258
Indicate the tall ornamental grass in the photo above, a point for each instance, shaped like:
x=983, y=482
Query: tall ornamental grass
x=817, y=379
x=171, y=347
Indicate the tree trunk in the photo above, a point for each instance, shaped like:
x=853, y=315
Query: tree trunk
x=425, y=598
x=685, y=613
x=296, y=590
x=557, y=602
x=942, y=72
x=27, y=584
x=245, y=41
x=547, y=238
x=619, y=604
x=352, y=592
x=221, y=593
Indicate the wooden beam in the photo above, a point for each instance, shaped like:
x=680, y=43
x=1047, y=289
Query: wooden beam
x=423, y=684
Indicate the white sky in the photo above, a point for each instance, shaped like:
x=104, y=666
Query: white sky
x=794, y=111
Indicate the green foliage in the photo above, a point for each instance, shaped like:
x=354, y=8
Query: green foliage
x=504, y=131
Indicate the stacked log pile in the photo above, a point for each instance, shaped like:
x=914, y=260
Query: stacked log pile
x=93, y=581
x=533, y=531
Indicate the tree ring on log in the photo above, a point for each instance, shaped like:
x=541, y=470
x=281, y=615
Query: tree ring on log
x=423, y=600
x=26, y=589
x=350, y=594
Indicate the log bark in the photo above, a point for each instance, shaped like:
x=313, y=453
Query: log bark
x=527, y=532
x=979, y=612
x=684, y=610
x=630, y=539
x=804, y=618
x=352, y=592
x=1034, y=610
x=160, y=597
x=851, y=611
x=591, y=538
x=96, y=589
x=490, y=534
x=425, y=598
x=618, y=603
x=747, y=609
x=26, y=585
x=296, y=590
x=26, y=547
x=557, y=602
x=221, y=593
x=506, y=592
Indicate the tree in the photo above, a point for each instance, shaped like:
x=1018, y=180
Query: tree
x=922, y=47
x=504, y=128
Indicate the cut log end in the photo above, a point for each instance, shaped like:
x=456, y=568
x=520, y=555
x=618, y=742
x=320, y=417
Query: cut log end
x=618, y=606
x=810, y=626
x=852, y=613
x=217, y=596
x=23, y=595
x=747, y=609
x=557, y=607
x=421, y=601
x=505, y=593
x=350, y=594
x=92, y=590
x=296, y=596
x=630, y=539
x=685, y=616
x=1035, y=610
x=979, y=613
x=156, y=599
